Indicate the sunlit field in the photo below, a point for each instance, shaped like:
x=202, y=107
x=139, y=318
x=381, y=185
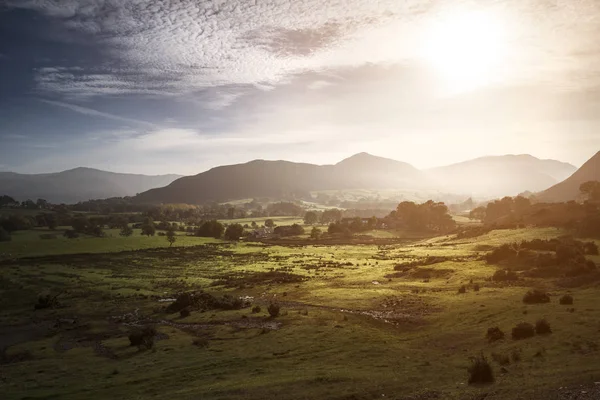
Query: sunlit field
x=350, y=325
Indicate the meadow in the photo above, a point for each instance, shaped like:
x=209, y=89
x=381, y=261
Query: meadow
x=353, y=323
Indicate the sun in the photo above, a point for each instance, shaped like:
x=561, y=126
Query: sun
x=466, y=49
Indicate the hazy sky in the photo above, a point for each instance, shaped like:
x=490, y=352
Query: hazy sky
x=153, y=86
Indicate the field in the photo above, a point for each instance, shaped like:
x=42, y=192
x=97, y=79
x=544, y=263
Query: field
x=350, y=325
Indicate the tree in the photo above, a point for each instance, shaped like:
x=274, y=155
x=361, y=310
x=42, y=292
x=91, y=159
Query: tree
x=310, y=218
x=171, y=237
x=7, y=201
x=126, y=231
x=331, y=215
x=591, y=190
x=269, y=223
x=41, y=203
x=234, y=232
x=148, y=227
x=211, y=228
x=315, y=233
x=51, y=221
x=231, y=213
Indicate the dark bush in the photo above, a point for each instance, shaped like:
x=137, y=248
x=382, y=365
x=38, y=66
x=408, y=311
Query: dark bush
x=480, y=371
x=200, y=342
x=536, y=297
x=515, y=355
x=273, y=310
x=566, y=300
x=542, y=327
x=502, y=253
x=476, y=287
x=71, y=234
x=46, y=301
x=503, y=275
x=205, y=301
x=523, y=330
x=494, y=334
x=143, y=338
x=184, y=313
x=48, y=236
x=590, y=248
x=462, y=289
x=256, y=309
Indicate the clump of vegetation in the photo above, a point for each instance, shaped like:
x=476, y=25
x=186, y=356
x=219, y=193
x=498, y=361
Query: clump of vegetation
x=71, y=234
x=274, y=310
x=4, y=235
x=494, y=334
x=542, y=327
x=476, y=287
x=15, y=357
x=143, y=338
x=46, y=301
x=185, y=313
x=256, y=309
x=503, y=275
x=126, y=231
x=536, y=296
x=566, y=300
x=462, y=289
x=523, y=330
x=502, y=359
x=480, y=371
x=204, y=301
x=234, y=232
x=200, y=342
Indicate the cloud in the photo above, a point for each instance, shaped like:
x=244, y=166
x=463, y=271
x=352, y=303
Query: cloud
x=95, y=113
x=183, y=46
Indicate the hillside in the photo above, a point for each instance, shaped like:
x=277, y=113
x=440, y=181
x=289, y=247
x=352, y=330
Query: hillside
x=499, y=176
x=262, y=178
x=569, y=189
x=78, y=184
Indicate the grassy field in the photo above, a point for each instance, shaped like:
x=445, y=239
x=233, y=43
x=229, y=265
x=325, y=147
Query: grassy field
x=351, y=327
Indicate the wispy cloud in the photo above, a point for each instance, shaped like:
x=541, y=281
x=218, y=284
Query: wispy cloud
x=95, y=113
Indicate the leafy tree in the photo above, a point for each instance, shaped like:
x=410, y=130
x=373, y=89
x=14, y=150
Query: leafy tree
x=148, y=229
x=310, y=218
x=7, y=201
x=51, y=221
x=269, y=223
x=80, y=224
x=71, y=234
x=231, y=213
x=234, y=232
x=4, y=235
x=331, y=215
x=292, y=230
x=126, y=231
x=315, y=233
x=41, y=203
x=591, y=190
x=16, y=223
x=171, y=237
x=211, y=228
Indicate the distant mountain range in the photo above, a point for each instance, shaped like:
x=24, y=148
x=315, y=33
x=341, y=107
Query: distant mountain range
x=78, y=184
x=482, y=178
x=569, y=188
x=486, y=177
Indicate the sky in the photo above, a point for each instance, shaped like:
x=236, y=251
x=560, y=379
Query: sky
x=180, y=86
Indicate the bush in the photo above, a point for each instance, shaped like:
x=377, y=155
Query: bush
x=523, y=330
x=46, y=301
x=480, y=371
x=536, y=297
x=256, y=309
x=48, y=236
x=234, y=232
x=185, y=313
x=476, y=287
x=566, y=300
x=494, y=334
x=504, y=276
x=273, y=310
x=462, y=289
x=501, y=359
x=200, y=342
x=542, y=327
x=71, y=234
x=590, y=248
x=4, y=235
x=143, y=338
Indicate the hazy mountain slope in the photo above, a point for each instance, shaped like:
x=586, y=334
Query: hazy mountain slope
x=78, y=184
x=278, y=178
x=569, y=188
x=499, y=176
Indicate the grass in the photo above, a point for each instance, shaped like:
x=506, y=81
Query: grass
x=346, y=330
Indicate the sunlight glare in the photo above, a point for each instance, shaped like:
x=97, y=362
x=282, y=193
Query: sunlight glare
x=466, y=49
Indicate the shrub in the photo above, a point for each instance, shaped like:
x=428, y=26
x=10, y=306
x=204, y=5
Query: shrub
x=494, y=334
x=200, y=342
x=71, y=234
x=462, y=289
x=184, y=313
x=515, y=355
x=476, y=287
x=46, y=301
x=256, y=309
x=542, y=327
x=503, y=275
x=48, y=236
x=536, y=297
x=590, y=248
x=4, y=235
x=523, y=330
x=567, y=299
x=273, y=310
x=143, y=338
x=480, y=371
x=501, y=359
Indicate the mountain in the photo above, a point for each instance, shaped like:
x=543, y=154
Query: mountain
x=78, y=184
x=569, y=188
x=498, y=176
x=262, y=178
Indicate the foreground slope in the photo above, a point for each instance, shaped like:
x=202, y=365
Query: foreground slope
x=78, y=184
x=262, y=178
x=569, y=188
x=499, y=176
